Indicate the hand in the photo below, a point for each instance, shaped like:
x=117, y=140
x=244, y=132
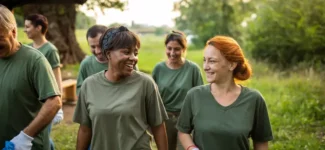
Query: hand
x=22, y=141
x=58, y=117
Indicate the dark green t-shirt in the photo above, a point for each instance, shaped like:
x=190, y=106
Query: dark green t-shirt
x=26, y=80
x=121, y=113
x=51, y=53
x=224, y=128
x=175, y=83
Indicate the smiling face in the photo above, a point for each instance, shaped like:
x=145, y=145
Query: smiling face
x=122, y=61
x=216, y=66
x=32, y=31
x=174, y=51
x=95, y=47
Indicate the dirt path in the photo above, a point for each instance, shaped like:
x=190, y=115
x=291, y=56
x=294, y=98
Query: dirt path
x=68, y=110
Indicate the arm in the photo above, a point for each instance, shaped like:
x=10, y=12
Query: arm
x=84, y=137
x=58, y=78
x=186, y=140
x=44, y=117
x=57, y=73
x=160, y=136
x=261, y=145
x=198, y=80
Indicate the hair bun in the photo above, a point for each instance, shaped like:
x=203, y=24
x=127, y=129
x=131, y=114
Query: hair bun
x=122, y=28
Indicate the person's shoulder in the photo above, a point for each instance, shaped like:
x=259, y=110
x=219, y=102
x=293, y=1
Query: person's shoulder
x=160, y=64
x=192, y=64
x=254, y=94
x=51, y=47
x=143, y=76
x=87, y=60
x=199, y=89
x=93, y=78
x=29, y=51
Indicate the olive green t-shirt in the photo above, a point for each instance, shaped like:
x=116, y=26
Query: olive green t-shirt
x=51, y=53
x=175, y=83
x=226, y=128
x=120, y=113
x=88, y=67
x=26, y=80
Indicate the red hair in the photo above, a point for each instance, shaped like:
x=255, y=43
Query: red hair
x=231, y=50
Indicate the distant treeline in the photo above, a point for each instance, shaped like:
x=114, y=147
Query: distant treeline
x=286, y=33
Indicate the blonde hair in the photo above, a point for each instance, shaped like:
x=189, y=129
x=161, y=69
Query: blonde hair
x=7, y=19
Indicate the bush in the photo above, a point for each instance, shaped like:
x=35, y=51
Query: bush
x=288, y=32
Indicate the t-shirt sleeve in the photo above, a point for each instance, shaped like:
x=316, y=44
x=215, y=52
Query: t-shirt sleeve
x=81, y=114
x=54, y=58
x=262, y=131
x=81, y=77
x=154, y=73
x=44, y=80
x=156, y=113
x=197, y=80
x=184, y=123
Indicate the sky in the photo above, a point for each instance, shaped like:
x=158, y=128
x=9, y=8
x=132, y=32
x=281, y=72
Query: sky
x=149, y=12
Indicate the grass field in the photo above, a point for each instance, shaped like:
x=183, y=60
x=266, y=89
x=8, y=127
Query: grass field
x=295, y=100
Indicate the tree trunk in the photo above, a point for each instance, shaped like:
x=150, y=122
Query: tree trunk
x=61, y=29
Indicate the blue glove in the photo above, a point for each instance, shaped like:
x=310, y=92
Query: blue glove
x=9, y=146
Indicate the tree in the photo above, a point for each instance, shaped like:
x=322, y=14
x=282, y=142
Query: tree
x=83, y=21
x=61, y=15
x=288, y=32
x=207, y=18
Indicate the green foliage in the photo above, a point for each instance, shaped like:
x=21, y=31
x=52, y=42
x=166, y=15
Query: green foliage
x=102, y=4
x=207, y=18
x=83, y=21
x=20, y=20
x=288, y=32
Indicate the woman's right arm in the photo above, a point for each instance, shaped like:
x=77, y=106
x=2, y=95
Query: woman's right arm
x=186, y=141
x=84, y=137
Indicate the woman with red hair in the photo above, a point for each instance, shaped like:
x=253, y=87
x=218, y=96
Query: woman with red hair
x=224, y=114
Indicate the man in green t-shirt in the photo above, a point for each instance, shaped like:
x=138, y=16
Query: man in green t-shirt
x=30, y=97
x=96, y=62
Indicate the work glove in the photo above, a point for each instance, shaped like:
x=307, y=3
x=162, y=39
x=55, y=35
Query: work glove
x=58, y=117
x=20, y=142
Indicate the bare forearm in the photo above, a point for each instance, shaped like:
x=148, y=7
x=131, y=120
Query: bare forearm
x=261, y=145
x=58, y=77
x=160, y=136
x=44, y=117
x=185, y=139
x=84, y=138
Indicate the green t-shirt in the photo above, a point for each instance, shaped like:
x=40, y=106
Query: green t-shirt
x=121, y=113
x=217, y=127
x=175, y=83
x=26, y=80
x=88, y=67
x=51, y=53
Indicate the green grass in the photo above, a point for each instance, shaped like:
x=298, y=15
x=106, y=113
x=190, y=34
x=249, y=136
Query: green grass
x=296, y=101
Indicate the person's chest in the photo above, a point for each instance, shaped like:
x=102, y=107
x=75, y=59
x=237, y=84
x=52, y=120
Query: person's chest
x=234, y=121
x=174, y=81
x=15, y=77
x=115, y=102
